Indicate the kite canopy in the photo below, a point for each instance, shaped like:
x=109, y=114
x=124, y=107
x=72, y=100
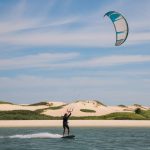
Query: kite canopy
x=121, y=26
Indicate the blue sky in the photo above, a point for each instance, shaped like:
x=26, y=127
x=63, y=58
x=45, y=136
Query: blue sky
x=63, y=50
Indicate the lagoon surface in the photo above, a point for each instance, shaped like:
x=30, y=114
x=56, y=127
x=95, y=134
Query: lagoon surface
x=86, y=139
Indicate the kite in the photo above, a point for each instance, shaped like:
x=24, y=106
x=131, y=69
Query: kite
x=121, y=26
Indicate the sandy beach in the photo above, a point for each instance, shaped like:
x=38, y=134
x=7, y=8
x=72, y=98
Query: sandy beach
x=75, y=123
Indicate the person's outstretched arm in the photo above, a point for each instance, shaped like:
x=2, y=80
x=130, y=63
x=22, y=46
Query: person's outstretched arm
x=69, y=115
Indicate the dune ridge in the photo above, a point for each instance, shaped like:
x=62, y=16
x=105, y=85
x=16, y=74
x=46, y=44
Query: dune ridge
x=90, y=107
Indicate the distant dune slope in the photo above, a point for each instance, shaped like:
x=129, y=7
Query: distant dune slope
x=80, y=108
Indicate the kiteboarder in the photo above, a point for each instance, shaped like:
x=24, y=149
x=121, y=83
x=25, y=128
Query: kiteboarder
x=65, y=121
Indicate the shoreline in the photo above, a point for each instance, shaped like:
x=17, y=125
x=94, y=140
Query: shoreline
x=74, y=123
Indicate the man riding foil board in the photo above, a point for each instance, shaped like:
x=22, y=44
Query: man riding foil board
x=65, y=122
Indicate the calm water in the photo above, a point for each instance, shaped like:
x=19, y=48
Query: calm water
x=86, y=139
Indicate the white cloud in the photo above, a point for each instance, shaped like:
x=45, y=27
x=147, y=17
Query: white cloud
x=105, y=61
x=69, y=60
x=138, y=38
x=35, y=61
x=80, y=37
x=96, y=31
x=92, y=33
x=30, y=24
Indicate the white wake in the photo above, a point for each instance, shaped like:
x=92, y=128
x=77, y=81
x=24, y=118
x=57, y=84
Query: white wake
x=36, y=135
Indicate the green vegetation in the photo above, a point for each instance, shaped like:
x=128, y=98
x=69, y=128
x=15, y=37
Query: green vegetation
x=123, y=116
x=145, y=113
x=138, y=111
x=88, y=110
x=35, y=115
x=39, y=111
x=52, y=108
x=122, y=106
x=113, y=116
x=56, y=107
x=100, y=103
x=24, y=115
x=40, y=103
x=3, y=102
x=137, y=105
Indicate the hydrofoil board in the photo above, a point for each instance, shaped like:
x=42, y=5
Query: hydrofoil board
x=68, y=136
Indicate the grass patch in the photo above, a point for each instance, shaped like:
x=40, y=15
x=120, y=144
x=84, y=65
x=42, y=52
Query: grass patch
x=137, y=105
x=24, y=115
x=123, y=116
x=52, y=108
x=35, y=115
x=38, y=104
x=123, y=106
x=88, y=110
x=39, y=111
x=3, y=102
x=56, y=107
x=100, y=103
x=145, y=113
x=112, y=116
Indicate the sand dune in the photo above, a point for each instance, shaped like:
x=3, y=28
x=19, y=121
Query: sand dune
x=8, y=107
x=90, y=105
x=59, y=108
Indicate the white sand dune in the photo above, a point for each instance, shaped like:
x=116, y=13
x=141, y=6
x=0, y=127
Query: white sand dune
x=91, y=105
x=55, y=104
x=8, y=107
x=77, y=106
